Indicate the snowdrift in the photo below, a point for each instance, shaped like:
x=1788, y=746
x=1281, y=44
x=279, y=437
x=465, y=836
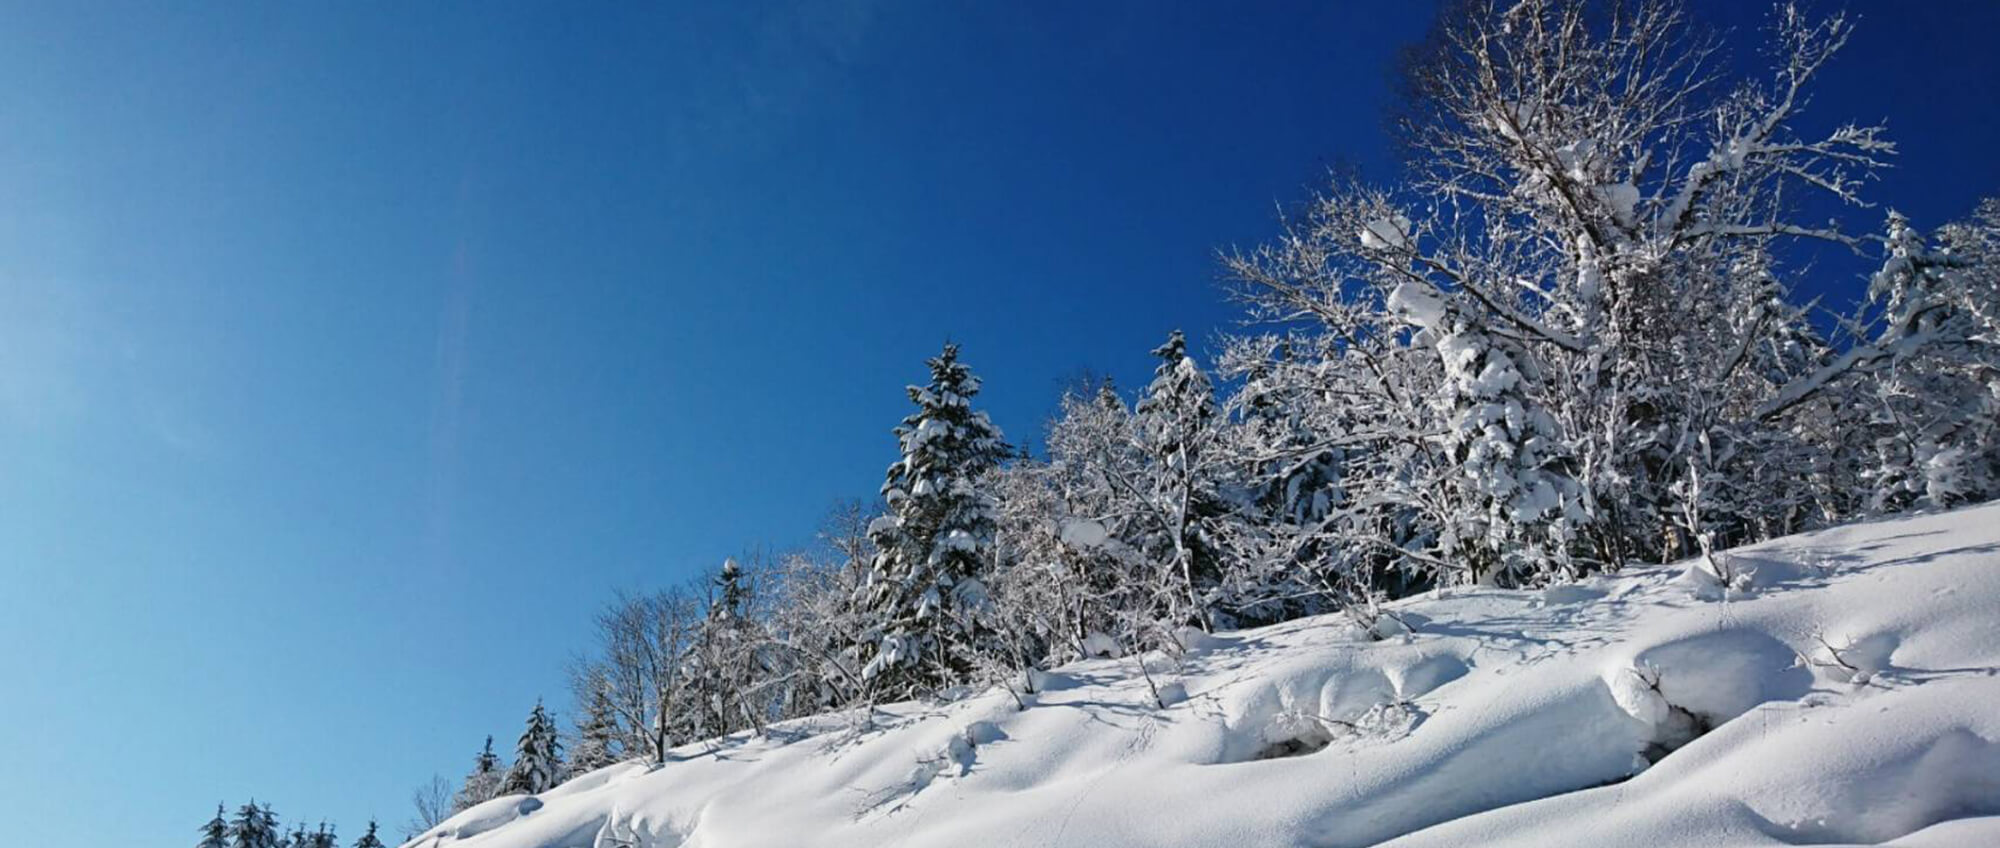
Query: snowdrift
x=1839, y=687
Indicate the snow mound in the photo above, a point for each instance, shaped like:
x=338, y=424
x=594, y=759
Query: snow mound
x=1834, y=687
x=1084, y=534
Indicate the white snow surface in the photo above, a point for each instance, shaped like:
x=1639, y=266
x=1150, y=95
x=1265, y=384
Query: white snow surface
x=1084, y=534
x=1505, y=718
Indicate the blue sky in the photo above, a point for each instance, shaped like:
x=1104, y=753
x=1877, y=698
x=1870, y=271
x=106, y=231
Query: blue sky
x=351, y=354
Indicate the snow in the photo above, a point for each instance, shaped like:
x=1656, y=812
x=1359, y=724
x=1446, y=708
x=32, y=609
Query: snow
x=1847, y=699
x=1418, y=304
x=1100, y=644
x=1386, y=234
x=1192, y=639
x=959, y=540
x=1622, y=199
x=1633, y=689
x=1086, y=534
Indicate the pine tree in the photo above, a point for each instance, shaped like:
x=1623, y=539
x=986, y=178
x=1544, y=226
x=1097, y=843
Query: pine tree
x=537, y=757
x=369, y=839
x=597, y=737
x=215, y=834
x=924, y=590
x=253, y=827
x=274, y=833
x=483, y=784
x=1511, y=473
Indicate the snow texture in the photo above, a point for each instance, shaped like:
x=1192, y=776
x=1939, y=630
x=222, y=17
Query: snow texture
x=1084, y=534
x=1386, y=234
x=1848, y=699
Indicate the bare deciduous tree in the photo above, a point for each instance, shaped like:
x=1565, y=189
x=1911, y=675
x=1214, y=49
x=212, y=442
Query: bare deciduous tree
x=643, y=642
x=430, y=806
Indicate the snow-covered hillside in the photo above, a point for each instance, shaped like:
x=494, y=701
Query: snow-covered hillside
x=1845, y=690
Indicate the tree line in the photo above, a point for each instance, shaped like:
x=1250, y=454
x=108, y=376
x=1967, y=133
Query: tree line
x=256, y=826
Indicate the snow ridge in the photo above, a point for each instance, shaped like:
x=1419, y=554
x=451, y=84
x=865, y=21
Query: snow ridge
x=1842, y=693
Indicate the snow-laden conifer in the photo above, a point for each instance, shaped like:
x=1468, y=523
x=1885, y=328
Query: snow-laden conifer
x=538, y=763
x=482, y=783
x=215, y=834
x=369, y=839
x=925, y=588
x=597, y=734
x=254, y=827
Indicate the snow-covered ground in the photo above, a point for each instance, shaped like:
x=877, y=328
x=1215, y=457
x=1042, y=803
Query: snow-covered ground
x=1846, y=690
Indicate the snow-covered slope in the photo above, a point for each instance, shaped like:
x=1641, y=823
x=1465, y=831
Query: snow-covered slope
x=1506, y=718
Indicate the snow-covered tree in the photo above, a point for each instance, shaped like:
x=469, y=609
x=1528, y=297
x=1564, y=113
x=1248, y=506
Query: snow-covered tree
x=271, y=826
x=1288, y=549
x=1517, y=497
x=215, y=834
x=1931, y=408
x=1041, y=597
x=731, y=594
x=1177, y=427
x=369, y=839
x=1095, y=521
x=817, y=625
x=641, y=662
x=597, y=734
x=925, y=589
x=1975, y=289
x=254, y=827
x=1580, y=270
x=730, y=658
x=538, y=762
x=482, y=784
x=1089, y=539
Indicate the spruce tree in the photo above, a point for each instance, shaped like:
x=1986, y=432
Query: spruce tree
x=933, y=544
x=1517, y=518
x=253, y=827
x=537, y=757
x=215, y=834
x=369, y=839
x=597, y=736
x=730, y=596
x=483, y=784
x=274, y=835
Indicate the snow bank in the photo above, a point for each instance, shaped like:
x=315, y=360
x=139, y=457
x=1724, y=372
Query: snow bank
x=1844, y=695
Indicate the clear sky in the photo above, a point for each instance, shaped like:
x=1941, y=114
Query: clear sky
x=351, y=354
